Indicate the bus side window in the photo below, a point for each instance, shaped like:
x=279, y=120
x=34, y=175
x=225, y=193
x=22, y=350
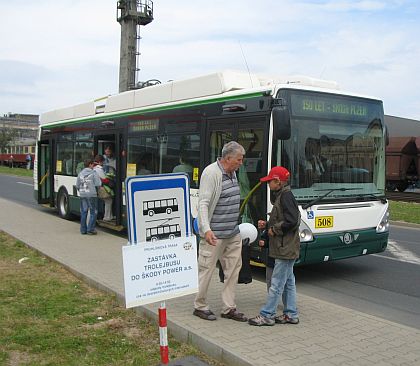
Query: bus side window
x=182, y=154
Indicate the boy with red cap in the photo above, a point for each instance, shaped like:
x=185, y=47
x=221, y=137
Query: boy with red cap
x=283, y=232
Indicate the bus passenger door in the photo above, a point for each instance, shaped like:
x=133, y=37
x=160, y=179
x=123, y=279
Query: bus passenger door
x=45, y=173
x=251, y=133
x=114, y=139
x=218, y=135
x=121, y=173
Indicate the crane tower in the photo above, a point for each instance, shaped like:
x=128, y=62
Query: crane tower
x=131, y=14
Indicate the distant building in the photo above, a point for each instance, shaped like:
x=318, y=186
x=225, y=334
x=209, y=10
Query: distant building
x=26, y=126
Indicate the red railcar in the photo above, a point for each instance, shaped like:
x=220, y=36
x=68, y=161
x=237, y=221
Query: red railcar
x=418, y=158
x=402, y=162
x=18, y=160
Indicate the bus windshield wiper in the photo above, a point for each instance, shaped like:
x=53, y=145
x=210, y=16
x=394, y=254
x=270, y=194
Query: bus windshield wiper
x=382, y=199
x=320, y=198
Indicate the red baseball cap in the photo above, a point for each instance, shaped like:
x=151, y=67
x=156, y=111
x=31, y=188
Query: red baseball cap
x=277, y=172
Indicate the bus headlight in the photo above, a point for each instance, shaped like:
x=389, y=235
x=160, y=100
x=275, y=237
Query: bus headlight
x=383, y=226
x=305, y=234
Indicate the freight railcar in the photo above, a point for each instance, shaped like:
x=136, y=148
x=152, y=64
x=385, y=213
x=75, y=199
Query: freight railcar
x=402, y=162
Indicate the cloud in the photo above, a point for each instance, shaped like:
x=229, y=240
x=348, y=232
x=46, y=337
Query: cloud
x=20, y=74
x=59, y=33
x=345, y=6
x=68, y=51
x=28, y=88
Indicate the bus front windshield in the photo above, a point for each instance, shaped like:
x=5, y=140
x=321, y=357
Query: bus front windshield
x=336, y=143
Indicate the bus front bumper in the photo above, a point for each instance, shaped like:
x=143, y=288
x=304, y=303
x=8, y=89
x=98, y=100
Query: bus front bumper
x=341, y=245
x=332, y=246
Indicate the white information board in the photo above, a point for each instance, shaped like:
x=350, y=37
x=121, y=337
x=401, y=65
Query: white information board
x=160, y=261
x=156, y=271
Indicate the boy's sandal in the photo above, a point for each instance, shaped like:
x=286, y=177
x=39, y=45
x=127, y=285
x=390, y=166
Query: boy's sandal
x=235, y=315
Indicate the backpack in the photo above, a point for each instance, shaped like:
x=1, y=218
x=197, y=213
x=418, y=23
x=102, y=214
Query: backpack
x=85, y=182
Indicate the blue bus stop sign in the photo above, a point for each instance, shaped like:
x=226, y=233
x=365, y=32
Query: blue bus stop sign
x=158, y=207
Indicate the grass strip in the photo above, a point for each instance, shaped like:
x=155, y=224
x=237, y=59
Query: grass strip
x=22, y=172
x=404, y=211
x=49, y=317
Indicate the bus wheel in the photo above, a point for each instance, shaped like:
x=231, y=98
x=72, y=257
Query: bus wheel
x=63, y=204
x=168, y=211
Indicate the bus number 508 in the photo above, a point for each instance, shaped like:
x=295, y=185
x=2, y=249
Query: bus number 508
x=324, y=222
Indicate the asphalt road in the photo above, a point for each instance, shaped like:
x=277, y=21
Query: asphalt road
x=18, y=189
x=385, y=285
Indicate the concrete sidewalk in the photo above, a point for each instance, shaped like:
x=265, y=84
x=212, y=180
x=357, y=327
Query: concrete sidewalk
x=327, y=335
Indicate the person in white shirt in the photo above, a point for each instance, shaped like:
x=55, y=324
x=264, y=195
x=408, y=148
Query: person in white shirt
x=99, y=160
x=110, y=164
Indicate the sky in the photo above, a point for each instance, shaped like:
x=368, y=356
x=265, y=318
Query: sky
x=60, y=53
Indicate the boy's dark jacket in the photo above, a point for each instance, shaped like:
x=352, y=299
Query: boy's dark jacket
x=284, y=221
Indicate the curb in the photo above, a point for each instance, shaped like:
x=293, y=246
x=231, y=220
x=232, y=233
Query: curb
x=405, y=224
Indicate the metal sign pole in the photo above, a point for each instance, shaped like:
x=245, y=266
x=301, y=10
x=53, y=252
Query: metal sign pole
x=163, y=335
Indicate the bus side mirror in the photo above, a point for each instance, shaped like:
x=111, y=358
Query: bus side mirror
x=386, y=136
x=281, y=122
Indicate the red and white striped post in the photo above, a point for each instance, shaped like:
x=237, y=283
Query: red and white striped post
x=163, y=335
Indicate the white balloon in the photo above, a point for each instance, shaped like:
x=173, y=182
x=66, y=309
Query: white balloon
x=248, y=231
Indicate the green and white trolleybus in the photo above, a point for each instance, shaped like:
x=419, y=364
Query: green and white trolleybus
x=332, y=142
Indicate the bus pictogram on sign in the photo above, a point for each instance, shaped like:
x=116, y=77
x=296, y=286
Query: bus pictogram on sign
x=163, y=232
x=167, y=205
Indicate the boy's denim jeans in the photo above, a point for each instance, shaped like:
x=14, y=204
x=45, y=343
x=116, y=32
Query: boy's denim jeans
x=88, y=204
x=282, y=287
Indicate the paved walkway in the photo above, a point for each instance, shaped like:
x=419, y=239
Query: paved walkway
x=327, y=335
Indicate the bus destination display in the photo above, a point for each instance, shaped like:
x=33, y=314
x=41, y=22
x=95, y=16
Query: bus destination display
x=331, y=107
x=144, y=125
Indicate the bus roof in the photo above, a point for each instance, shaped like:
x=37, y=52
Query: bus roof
x=206, y=87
